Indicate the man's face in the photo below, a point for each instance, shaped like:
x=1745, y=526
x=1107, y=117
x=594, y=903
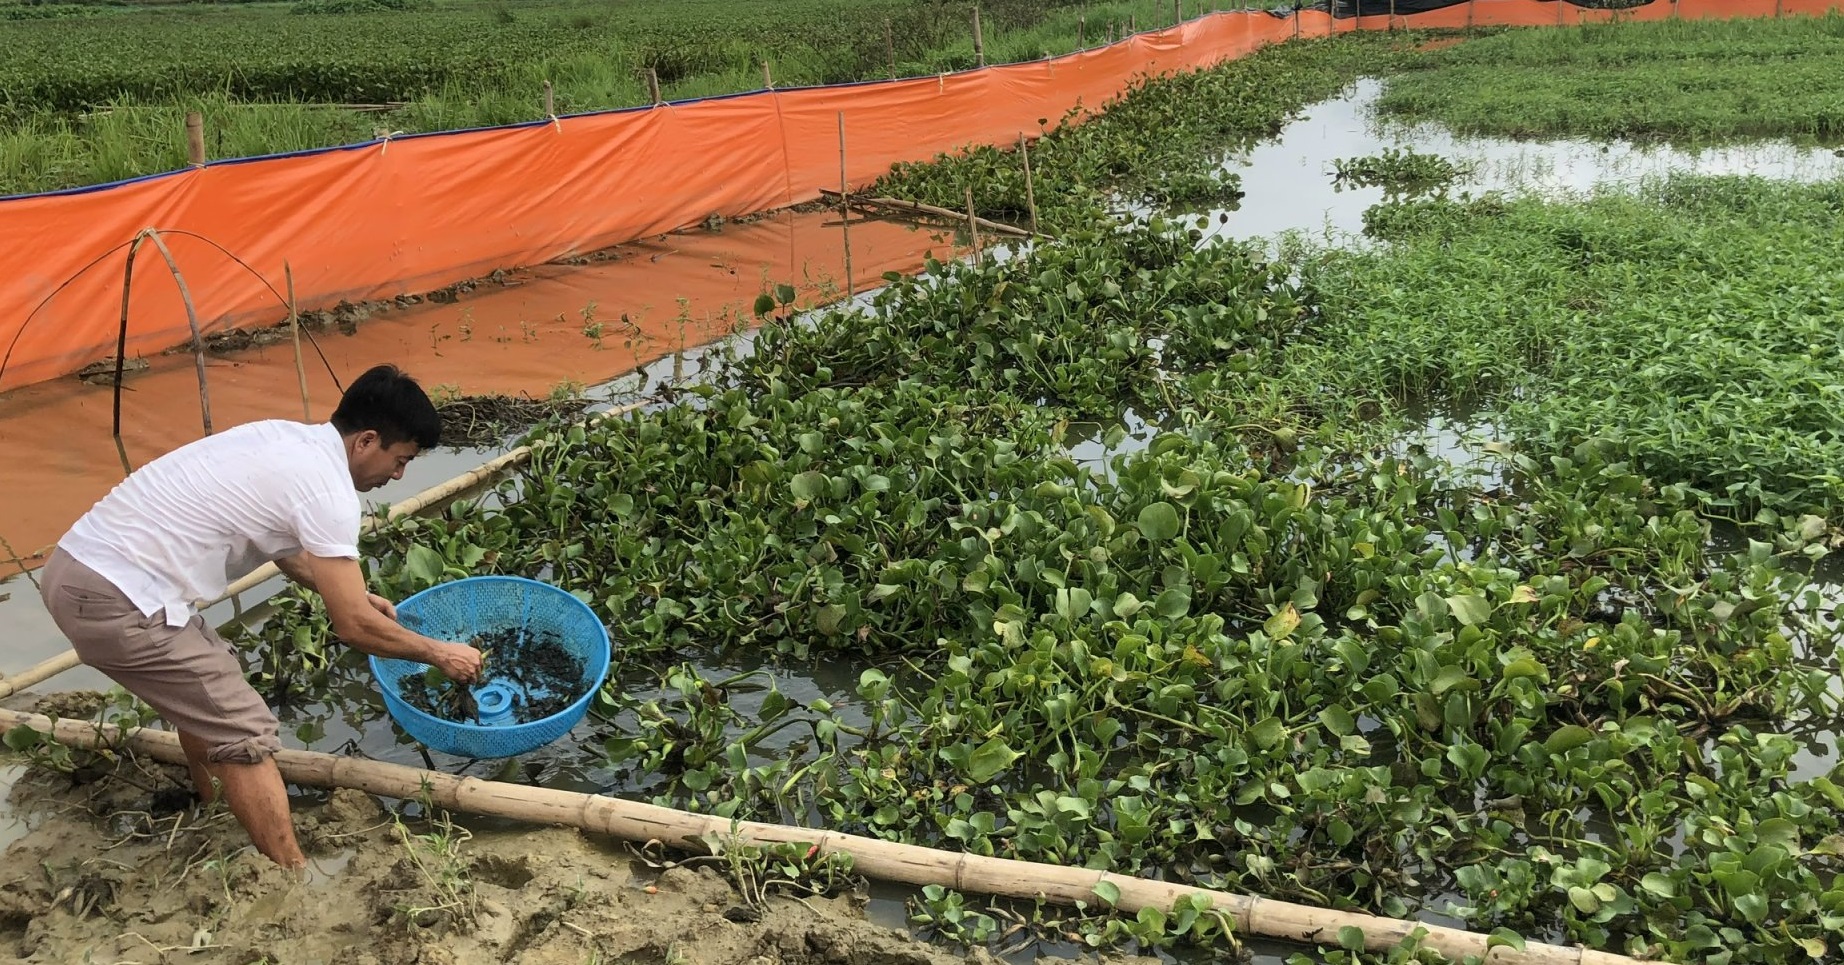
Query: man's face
x=374, y=464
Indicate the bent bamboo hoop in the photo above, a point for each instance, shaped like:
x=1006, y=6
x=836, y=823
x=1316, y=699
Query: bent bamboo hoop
x=884, y=860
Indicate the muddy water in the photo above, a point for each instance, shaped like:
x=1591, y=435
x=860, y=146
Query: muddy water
x=531, y=335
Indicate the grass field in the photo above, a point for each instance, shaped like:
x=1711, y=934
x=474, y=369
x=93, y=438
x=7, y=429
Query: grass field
x=1671, y=79
x=103, y=97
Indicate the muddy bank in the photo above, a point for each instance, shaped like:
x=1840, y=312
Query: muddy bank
x=110, y=870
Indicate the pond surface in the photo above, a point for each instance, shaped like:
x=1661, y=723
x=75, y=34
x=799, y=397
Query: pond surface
x=1289, y=188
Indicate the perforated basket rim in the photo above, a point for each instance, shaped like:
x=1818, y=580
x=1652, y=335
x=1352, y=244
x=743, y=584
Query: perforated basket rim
x=398, y=708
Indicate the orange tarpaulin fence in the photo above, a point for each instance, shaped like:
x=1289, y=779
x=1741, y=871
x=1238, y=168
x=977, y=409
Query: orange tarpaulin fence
x=412, y=214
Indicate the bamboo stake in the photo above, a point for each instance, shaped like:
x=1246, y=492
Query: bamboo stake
x=890, y=47
x=1082, y=31
x=979, y=39
x=38, y=673
x=1133, y=26
x=1030, y=194
x=198, y=340
x=294, y=327
x=917, y=207
x=973, y=225
x=874, y=858
x=1178, y=12
x=845, y=210
x=550, y=102
x=768, y=77
x=195, y=139
x=653, y=87
x=121, y=351
x=1392, y=12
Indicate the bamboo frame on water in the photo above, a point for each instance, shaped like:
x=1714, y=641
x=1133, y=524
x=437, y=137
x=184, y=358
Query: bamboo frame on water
x=883, y=860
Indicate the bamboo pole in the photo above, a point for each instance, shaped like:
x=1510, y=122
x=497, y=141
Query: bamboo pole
x=1178, y=12
x=973, y=225
x=653, y=87
x=1082, y=31
x=917, y=207
x=768, y=77
x=845, y=210
x=121, y=352
x=874, y=858
x=890, y=47
x=198, y=340
x=979, y=40
x=550, y=100
x=294, y=326
x=1030, y=193
x=195, y=139
x=38, y=673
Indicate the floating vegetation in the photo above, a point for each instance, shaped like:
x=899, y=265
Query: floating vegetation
x=487, y=420
x=1400, y=171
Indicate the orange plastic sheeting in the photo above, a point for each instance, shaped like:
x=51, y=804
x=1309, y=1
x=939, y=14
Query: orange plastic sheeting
x=526, y=337
x=418, y=213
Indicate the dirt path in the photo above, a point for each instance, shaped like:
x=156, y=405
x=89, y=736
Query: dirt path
x=101, y=875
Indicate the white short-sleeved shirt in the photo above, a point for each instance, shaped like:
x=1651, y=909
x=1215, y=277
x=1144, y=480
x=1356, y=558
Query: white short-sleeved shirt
x=185, y=526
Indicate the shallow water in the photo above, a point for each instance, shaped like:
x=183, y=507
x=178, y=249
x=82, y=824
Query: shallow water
x=1289, y=188
x=1289, y=185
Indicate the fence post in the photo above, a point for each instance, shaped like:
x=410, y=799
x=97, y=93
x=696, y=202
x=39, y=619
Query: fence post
x=979, y=40
x=550, y=100
x=195, y=139
x=1178, y=12
x=1082, y=31
x=1030, y=193
x=653, y=86
x=973, y=226
x=1392, y=13
x=890, y=47
x=845, y=210
x=768, y=77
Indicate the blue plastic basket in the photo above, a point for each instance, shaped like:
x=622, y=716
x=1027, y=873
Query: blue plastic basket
x=484, y=604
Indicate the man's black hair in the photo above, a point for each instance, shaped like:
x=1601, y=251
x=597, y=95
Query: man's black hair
x=390, y=402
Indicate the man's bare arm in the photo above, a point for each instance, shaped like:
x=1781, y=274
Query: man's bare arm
x=359, y=622
x=296, y=569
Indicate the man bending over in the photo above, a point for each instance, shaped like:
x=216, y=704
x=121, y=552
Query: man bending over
x=182, y=528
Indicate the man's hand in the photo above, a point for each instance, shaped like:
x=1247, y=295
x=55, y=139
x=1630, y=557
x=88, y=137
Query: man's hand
x=458, y=660
x=383, y=606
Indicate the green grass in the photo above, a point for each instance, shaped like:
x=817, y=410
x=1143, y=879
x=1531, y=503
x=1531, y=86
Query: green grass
x=1692, y=326
x=90, y=100
x=1682, y=80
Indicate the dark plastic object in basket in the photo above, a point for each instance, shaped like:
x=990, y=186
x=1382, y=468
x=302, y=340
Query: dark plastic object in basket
x=459, y=611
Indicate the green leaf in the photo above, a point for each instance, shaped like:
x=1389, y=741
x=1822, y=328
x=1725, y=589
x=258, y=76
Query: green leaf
x=1450, y=677
x=1815, y=947
x=23, y=738
x=1173, y=603
x=1659, y=884
x=1504, y=937
x=989, y=759
x=1351, y=938
x=1470, y=609
x=1108, y=891
x=1753, y=906
x=1159, y=522
x=808, y=486
x=1337, y=720
x=423, y=564
x=1567, y=738
x=1526, y=667
x=1268, y=733
x=765, y=303
x=1584, y=900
